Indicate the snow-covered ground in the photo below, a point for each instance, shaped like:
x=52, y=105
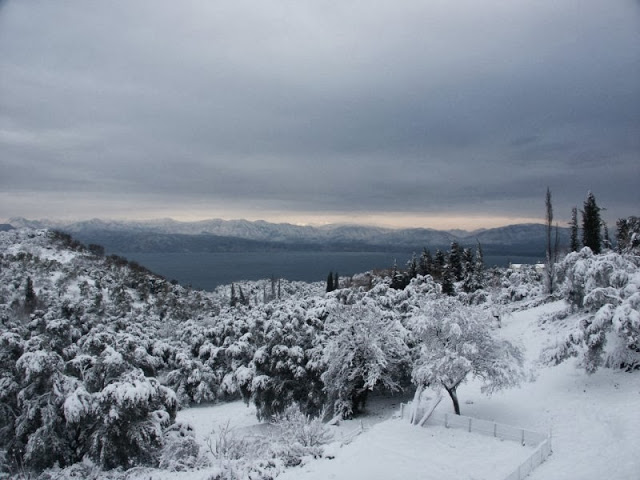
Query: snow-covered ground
x=395, y=449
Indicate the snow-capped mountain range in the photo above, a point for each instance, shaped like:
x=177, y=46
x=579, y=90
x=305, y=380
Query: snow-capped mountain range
x=141, y=235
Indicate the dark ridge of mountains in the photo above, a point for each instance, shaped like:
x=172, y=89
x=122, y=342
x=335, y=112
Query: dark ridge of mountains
x=170, y=236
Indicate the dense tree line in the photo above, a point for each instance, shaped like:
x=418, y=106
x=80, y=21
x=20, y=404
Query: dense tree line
x=454, y=270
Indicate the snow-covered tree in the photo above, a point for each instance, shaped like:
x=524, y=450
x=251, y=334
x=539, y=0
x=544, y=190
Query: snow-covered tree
x=628, y=235
x=455, y=261
x=457, y=342
x=129, y=417
x=286, y=369
x=425, y=262
x=573, y=226
x=412, y=266
x=366, y=349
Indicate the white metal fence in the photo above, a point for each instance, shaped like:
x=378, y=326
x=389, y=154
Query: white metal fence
x=541, y=441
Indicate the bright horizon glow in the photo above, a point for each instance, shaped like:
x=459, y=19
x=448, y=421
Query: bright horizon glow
x=76, y=206
x=394, y=220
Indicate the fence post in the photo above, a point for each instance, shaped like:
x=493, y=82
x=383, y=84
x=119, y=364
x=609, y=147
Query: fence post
x=522, y=437
x=446, y=420
x=495, y=429
x=470, y=424
x=402, y=411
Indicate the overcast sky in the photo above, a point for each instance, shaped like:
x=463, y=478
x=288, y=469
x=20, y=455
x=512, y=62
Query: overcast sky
x=424, y=113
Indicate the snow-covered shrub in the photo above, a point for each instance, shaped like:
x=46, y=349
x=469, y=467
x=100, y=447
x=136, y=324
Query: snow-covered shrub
x=86, y=469
x=181, y=451
x=193, y=381
x=297, y=427
x=226, y=444
x=131, y=415
x=519, y=283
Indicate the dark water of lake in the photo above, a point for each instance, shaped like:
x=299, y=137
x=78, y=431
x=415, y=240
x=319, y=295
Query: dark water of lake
x=208, y=270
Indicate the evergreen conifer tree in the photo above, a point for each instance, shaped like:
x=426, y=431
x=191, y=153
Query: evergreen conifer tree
x=243, y=300
x=468, y=267
x=336, y=281
x=426, y=262
x=479, y=266
x=573, y=225
x=234, y=300
x=412, y=271
x=398, y=280
x=455, y=261
x=591, y=223
x=439, y=262
x=30, y=299
x=448, y=280
x=330, y=282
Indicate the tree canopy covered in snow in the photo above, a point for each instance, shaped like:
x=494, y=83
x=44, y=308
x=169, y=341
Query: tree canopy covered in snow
x=97, y=354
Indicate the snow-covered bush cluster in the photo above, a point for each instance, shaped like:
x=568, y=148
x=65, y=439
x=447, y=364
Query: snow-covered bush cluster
x=604, y=291
x=81, y=344
x=520, y=282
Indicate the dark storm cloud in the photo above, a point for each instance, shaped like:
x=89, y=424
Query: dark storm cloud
x=324, y=106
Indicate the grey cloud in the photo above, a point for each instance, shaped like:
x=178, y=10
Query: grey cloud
x=324, y=106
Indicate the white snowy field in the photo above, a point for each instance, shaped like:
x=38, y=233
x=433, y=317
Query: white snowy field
x=594, y=421
x=395, y=449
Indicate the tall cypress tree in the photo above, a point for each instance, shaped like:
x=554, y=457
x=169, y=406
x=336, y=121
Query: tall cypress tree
x=30, y=300
x=233, y=300
x=330, y=287
x=591, y=223
x=479, y=266
x=573, y=225
x=549, y=264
